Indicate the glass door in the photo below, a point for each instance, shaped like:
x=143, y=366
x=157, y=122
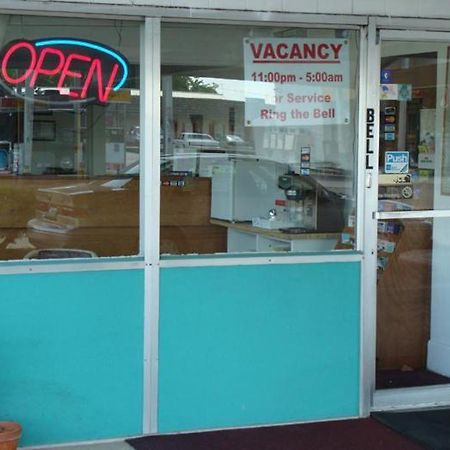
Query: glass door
x=413, y=217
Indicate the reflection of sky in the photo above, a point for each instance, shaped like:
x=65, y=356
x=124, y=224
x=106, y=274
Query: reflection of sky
x=237, y=90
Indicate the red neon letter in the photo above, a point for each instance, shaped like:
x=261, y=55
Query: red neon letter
x=39, y=69
x=8, y=54
x=103, y=93
x=69, y=73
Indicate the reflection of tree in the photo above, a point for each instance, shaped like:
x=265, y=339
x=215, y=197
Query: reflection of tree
x=191, y=84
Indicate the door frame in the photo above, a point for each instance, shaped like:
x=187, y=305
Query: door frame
x=403, y=398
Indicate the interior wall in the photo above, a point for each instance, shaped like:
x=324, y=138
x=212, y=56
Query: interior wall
x=58, y=152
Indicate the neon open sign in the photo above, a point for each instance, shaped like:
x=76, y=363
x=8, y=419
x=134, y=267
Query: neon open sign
x=83, y=70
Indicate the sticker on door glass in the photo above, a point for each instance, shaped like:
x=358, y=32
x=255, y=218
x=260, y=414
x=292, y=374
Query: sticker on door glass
x=396, y=162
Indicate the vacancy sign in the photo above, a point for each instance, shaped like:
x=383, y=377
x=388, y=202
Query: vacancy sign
x=296, y=81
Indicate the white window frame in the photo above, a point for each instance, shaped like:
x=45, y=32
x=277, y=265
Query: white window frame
x=152, y=192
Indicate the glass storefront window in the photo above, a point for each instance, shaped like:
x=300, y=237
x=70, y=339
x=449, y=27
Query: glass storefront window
x=69, y=138
x=259, y=139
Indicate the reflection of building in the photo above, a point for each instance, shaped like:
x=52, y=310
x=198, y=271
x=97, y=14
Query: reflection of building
x=208, y=113
x=63, y=135
x=219, y=116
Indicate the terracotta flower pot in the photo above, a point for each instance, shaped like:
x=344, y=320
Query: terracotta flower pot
x=10, y=433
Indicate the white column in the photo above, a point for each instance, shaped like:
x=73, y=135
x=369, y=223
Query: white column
x=167, y=114
x=438, y=359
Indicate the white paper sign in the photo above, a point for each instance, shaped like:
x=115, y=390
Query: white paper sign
x=296, y=81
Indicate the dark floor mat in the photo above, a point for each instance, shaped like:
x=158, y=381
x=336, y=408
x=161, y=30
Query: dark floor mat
x=430, y=428
x=390, y=379
x=358, y=434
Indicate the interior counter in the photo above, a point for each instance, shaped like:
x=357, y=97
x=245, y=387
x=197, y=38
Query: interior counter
x=243, y=237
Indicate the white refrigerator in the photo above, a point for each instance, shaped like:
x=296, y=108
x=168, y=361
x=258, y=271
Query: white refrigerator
x=243, y=189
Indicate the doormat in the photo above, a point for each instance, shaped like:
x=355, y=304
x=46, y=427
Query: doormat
x=358, y=434
x=430, y=428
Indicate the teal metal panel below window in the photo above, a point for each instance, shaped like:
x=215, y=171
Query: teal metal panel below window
x=71, y=351
x=250, y=345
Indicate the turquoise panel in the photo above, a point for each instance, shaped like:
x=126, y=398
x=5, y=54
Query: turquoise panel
x=259, y=344
x=71, y=354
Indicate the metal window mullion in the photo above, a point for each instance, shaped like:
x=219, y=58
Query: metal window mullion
x=150, y=132
x=364, y=400
x=368, y=299
x=411, y=35
x=361, y=150
x=312, y=258
x=309, y=22
x=412, y=24
x=427, y=214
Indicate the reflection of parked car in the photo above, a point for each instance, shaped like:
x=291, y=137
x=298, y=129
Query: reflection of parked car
x=134, y=135
x=198, y=163
x=196, y=140
x=235, y=141
x=132, y=169
x=232, y=139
